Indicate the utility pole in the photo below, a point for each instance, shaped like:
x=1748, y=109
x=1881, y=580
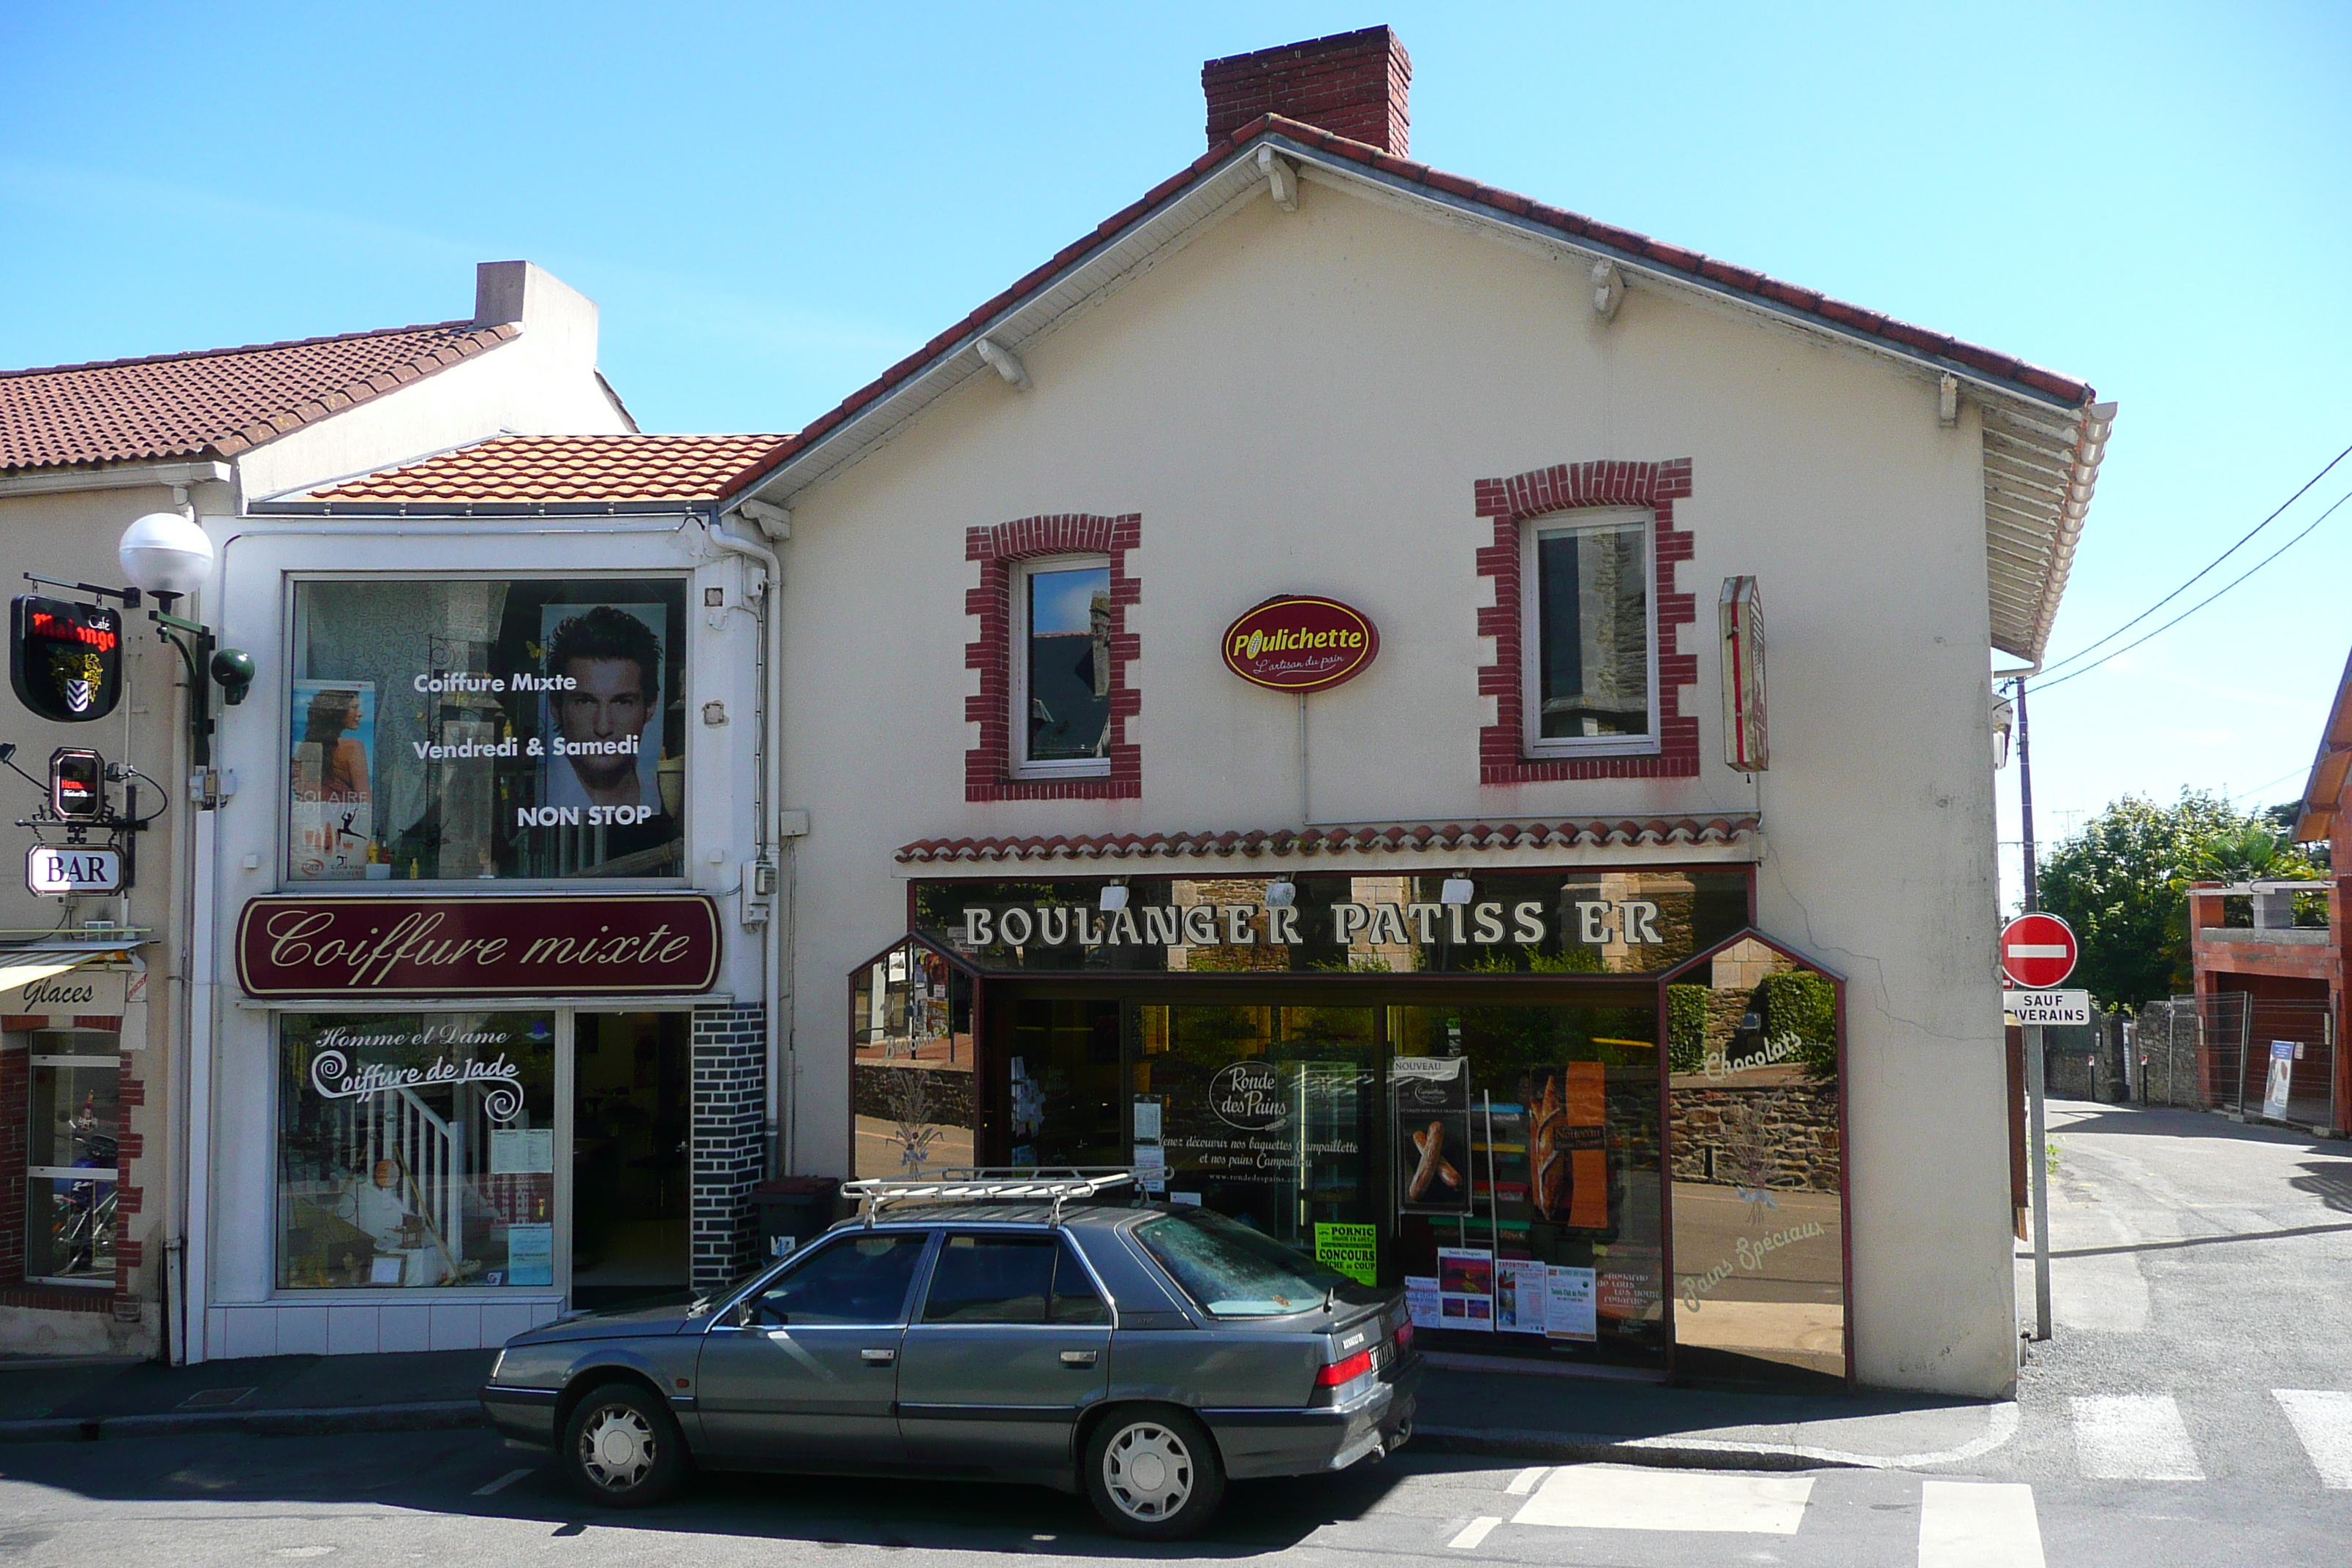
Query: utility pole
x=2038, y=1148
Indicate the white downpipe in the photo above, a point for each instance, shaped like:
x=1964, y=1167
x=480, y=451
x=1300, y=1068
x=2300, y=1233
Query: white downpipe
x=773, y=989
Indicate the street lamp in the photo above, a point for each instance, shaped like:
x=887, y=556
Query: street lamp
x=169, y=556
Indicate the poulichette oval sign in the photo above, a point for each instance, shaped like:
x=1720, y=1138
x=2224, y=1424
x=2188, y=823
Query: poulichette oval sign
x=1300, y=643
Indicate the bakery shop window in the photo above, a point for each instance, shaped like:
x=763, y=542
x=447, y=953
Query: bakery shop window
x=456, y=729
x=1525, y=1160
x=415, y=1151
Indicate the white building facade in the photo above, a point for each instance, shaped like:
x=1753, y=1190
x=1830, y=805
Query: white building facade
x=1487, y=970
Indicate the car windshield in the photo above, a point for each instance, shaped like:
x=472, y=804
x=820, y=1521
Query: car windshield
x=1232, y=1270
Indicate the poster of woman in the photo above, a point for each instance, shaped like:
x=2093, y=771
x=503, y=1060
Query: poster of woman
x=333, y=797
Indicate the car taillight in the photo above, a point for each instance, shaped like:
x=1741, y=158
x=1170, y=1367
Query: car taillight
x=1347, y=1371
x=1405, y=1336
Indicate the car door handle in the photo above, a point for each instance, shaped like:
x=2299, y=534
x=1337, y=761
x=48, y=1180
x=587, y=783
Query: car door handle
x=1079, y=1358
x=878, y=1358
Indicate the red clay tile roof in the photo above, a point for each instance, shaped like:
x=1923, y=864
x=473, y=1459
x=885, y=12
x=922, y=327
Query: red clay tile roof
x=218, y=403
x=549, y=469
x=1721, y=275
x=1452, y=837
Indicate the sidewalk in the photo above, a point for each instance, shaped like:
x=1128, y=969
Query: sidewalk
x=1587, y=1420
x=1539, y=1418
x=85, y=1398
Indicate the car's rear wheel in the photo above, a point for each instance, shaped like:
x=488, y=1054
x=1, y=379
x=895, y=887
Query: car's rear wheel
x=622, y=1449
x=1153, y=1473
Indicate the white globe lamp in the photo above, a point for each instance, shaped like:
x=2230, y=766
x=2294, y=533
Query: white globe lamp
x=166, y=554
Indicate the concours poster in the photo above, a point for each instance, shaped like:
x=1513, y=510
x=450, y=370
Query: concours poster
x=1430, y=1103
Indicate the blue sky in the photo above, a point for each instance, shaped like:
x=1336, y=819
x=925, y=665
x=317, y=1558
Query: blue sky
x=771, y=203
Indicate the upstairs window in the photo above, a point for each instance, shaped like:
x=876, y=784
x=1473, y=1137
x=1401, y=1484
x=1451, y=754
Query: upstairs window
x=1591, y=642
x=1061, y=667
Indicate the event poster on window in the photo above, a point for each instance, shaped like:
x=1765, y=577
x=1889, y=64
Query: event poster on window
x=332, y=771
x=473, y=729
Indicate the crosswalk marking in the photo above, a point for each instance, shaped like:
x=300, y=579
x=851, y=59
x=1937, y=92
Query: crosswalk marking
x=1525, y=1481
x=2322, y=1420
x=1610, y=1497
x=1978, y=1524
x=1473, y=1533
x=2133, y=1437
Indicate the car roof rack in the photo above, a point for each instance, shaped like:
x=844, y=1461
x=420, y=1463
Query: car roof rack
x=979, y=1184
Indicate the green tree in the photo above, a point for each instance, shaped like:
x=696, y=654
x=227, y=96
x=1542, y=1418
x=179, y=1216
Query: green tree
x=2123, y=884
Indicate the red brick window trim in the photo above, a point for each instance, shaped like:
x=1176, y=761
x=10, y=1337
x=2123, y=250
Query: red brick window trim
x=1508, y=504
x=988, y=767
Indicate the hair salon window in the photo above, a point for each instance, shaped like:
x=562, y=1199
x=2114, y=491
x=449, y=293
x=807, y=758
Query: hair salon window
x=415, y=1149
x=1061, y=667
x=446, y=729
x=1590, y=648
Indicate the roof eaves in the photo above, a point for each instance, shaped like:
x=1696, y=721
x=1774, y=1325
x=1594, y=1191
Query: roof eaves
x=1651, y=258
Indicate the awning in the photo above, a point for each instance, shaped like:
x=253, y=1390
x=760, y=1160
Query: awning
x=26, y=968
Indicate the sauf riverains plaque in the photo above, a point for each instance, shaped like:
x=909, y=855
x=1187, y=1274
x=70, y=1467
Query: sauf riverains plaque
x=627, y=944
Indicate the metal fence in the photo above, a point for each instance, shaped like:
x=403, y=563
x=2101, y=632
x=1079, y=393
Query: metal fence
x=2216, y=1053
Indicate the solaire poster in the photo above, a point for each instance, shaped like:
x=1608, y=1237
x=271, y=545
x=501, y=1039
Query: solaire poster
x=333, y=793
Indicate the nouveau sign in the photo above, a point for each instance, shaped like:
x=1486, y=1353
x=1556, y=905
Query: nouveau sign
x=544, y=944
x=1299, y=643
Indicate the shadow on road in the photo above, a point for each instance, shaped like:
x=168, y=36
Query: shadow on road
x=442, y=1471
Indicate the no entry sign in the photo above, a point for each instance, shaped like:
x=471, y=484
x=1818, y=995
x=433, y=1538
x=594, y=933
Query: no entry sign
x=2037, y=951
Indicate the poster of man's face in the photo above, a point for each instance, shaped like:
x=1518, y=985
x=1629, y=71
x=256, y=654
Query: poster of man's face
x=604, y=727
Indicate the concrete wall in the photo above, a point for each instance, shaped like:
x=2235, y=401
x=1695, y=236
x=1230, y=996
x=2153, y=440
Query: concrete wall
x=1302, y=403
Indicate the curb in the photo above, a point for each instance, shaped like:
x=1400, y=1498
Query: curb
x=1592, y=1448
x=320, y=1422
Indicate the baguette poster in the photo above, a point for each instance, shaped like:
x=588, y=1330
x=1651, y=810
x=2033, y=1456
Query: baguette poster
x=1568, y=1165
x=1430, y=1100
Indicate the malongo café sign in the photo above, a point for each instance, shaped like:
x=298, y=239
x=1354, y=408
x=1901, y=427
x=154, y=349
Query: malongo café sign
x=650, y=945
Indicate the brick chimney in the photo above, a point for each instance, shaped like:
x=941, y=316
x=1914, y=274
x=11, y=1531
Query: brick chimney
x=1353, y=84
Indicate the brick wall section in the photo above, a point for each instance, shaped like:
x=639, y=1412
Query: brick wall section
x=1509, y=502
x=15, y=1090
x=731, y=1098
x=987, y=766
x=1354, y=84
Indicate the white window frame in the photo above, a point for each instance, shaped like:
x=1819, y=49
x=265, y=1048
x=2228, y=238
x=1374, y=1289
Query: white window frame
x=1533, y=743
x=108, y=1175
x=1017, y=683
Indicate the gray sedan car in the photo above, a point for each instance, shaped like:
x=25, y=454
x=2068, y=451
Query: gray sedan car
x=1142, y=1354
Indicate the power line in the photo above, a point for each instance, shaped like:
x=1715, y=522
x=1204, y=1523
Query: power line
x=2208, y=566
x=2201, y=603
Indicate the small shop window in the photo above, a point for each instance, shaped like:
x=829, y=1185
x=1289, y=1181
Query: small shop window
x=449, y=729
x=416, y=1151
x=1590, y=651
x=71, y=1154
x=1755, y=1092
x=911, y=1063
x=1061, y=667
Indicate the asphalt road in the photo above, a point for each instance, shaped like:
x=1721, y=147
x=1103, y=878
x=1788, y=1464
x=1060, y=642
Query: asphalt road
x=2194, y=1408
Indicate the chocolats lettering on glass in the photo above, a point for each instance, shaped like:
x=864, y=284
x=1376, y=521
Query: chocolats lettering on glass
x=469, y=729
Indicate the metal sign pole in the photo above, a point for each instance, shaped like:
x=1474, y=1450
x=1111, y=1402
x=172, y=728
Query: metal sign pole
x=2039, y=1152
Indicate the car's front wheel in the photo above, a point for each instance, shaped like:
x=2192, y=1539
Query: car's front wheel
x=621, y=1448
x=1153, y=1473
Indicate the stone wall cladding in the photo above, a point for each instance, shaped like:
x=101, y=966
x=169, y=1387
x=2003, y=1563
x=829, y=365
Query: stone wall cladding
x=987, y=766
x=1508, y=503
x=730, y=1099
x=1801, y=1119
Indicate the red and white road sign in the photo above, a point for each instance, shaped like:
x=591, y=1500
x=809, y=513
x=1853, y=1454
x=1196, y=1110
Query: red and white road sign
x=2037, y=951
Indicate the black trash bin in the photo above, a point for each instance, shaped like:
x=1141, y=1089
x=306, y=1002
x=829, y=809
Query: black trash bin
x=793, y=1211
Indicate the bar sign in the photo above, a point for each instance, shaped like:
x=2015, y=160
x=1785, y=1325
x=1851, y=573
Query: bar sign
x=57, y=869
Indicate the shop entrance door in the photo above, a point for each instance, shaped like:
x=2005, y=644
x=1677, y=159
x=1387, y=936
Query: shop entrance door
x=631, y=1174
